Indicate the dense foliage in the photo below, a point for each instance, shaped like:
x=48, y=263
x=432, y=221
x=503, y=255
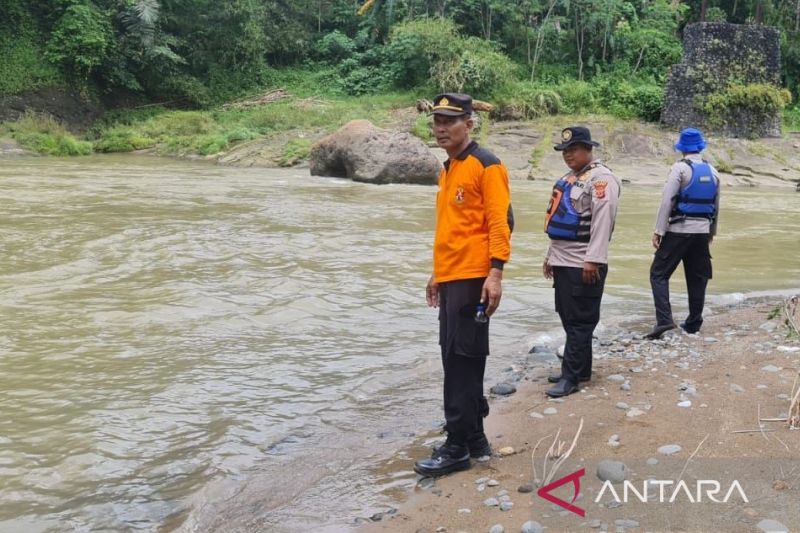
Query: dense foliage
x=561, y=55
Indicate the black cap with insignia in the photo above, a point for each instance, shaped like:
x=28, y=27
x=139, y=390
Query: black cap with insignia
x=452, y=104
x=575, y=135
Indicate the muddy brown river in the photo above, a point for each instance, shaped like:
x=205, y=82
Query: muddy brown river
x=184, y=344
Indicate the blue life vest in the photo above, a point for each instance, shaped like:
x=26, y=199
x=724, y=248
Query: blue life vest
x=562, y=221
x=698, y=199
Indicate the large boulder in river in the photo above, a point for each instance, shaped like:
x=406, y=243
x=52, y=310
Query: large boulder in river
x=363, y=152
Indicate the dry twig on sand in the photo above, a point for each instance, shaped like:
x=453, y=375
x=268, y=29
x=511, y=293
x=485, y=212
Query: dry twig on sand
x=692, y=456
x=794, y=407
x=792, y=310
x=555, y=451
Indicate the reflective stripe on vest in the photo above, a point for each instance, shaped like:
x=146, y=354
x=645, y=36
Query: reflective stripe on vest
x=562, y=221
x=698, y=199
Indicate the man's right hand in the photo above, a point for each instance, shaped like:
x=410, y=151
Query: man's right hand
x=432, y=293
x=547, y=270
x=656, y=241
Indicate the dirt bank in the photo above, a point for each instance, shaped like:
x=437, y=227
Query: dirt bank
x=704, y=393
x=638, y=152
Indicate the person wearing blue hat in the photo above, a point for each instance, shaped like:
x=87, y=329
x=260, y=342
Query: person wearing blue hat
x=685, y=226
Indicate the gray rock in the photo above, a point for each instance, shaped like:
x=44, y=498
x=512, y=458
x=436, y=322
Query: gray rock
x=738, y=389
x=506, y=506
x=481, y=481
x=685, y=403
x=669, y=449
x=363, y=152
x=426, y=483
x=550, y=411
x=613, y=471
x=464, y=510
x=762, y=387
x=769, y=327
x=629, y=524
x=497, y=528
x=616, y=377
x=625, y=386
x=531, y=527
x=503, y=389
x=772, y=526
x=622, y=405
x=502, y=493
x=525, y=489
x=710, y=340
x=595, y=524
x=652, y=461
x=770, y=368
x=491, y=502
x=634, y=413
x=541, y=349
x=492, y=483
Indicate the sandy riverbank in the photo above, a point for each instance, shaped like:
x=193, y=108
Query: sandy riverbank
x=740, y=367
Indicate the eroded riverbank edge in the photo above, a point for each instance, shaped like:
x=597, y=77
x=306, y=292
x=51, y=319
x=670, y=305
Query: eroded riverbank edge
x=638, y=152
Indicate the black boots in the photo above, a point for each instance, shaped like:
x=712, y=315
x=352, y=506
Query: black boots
x=555, y=378
x=660, y=330
x=447, y=458
x=563, y=388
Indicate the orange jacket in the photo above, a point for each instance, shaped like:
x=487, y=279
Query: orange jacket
x=473, y=216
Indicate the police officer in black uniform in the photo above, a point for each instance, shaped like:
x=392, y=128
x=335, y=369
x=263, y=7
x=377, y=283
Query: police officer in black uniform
x=579, y=222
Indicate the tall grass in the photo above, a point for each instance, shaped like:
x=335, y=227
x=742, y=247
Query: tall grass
x=44, y=134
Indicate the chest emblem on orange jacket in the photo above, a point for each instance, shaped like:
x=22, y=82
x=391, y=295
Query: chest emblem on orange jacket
x=460, y=195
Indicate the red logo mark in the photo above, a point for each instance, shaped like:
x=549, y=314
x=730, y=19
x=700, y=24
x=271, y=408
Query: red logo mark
x=575, y=479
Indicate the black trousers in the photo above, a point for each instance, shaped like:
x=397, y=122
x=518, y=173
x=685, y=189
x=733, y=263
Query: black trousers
x=578, y=306
x=465, y=345
x=692, y=249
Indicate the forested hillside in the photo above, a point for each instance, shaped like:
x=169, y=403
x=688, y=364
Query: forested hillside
x=533, y=57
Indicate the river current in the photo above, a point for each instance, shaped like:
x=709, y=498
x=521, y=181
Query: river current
x=182, y=341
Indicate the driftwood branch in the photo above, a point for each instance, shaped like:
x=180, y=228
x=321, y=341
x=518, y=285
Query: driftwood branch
x=261, y=99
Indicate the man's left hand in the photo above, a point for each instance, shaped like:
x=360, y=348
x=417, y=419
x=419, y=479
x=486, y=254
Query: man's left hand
x=492, y=291
x=591, y=273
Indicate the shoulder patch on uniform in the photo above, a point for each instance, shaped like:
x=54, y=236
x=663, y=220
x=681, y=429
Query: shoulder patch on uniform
x=600, y=188
x=486, y=157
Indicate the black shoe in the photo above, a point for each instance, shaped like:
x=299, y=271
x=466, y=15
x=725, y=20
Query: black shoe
x=555, y=378
x=563, y=388
x=479, y=448
x=688, y=330
x=659, y=330
x=445, y=459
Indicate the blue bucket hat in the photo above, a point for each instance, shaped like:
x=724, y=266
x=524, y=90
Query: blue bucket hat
x=691, y=140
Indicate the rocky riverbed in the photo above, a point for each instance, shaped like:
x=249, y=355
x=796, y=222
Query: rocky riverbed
x=684, y=407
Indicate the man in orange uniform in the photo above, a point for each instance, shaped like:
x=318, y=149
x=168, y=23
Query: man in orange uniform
x=472, y=244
